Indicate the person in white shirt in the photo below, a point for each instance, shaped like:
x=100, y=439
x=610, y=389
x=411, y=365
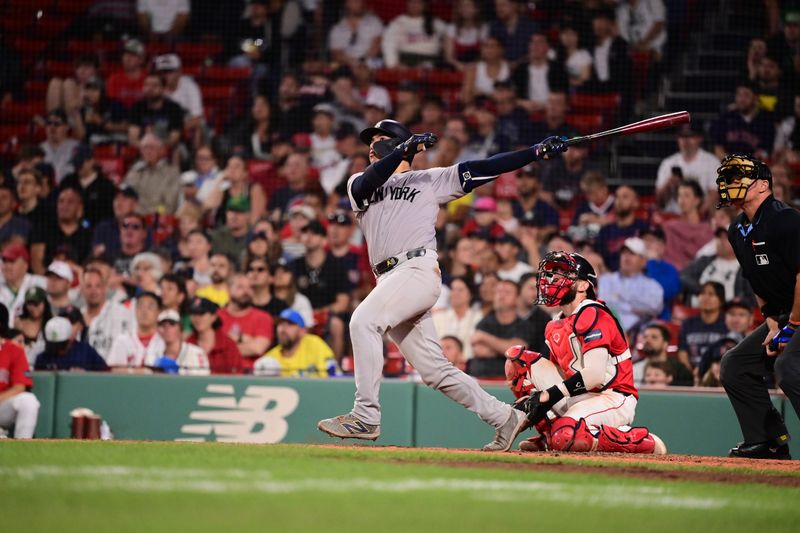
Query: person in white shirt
x=414, y=38
x=323, y=142
x=577, y=61
x=357, y=36
x=162, y=17
x=643, y=24
x=460, y=319
x=507, y=249
x=105, y=320
x=15, y=264
x=58, y=147
x=130, y=349
x=182, y=90
x=177, y=356
x=690, y=162
x=204, y=177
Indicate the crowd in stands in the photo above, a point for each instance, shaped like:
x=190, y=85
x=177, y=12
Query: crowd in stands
x=182, y=215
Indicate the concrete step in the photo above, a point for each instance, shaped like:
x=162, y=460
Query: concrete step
x=721, y=60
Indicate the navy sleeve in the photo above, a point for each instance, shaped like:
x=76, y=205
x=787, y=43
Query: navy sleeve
x=375, y=176
x=475, y=173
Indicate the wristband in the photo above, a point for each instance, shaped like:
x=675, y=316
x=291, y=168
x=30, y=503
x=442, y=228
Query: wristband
x=555, y=396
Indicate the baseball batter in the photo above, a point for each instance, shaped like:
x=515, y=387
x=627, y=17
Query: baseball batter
x=396, y=208
x=582, y=398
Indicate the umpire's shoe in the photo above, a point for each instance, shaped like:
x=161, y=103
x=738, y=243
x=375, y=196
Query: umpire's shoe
x=761, y=450
x=506, y=433
x=349, y=427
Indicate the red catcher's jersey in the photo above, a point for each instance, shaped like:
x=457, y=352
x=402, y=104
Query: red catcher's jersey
x=595, y=328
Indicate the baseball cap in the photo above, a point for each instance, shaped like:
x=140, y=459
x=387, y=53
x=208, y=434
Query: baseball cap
x=485, y=203
x=59, y=114
x=507, y=238
x=257, y=235
x=340, y=217
x=315, y=227
x=133, y=46
x=737, y=302
x=635, y=245
x=692, y=129
x=290, y=315
x=129, y=191
x=95, y=82
x=57, y=330
x=168, y=365
x=35, y=295
x=73, y=314
x=656, y=232
x=238, y=204
x=167, y=62
x=61, y=270
x=200, y=306
x=82, y=154
x=12, y=252
x=792, y=17
x=378, y=101
x=169, y=315
x=324, y=108
x=300, y=208
x=189, y=178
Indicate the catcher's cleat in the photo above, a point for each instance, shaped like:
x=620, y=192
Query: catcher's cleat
x=505, y=435
x=349, y=427
x=659, y=447
x=760, y=450
x=534, y=444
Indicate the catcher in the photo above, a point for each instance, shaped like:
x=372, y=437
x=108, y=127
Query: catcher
x=582, y=397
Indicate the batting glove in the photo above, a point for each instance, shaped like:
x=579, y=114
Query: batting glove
x=416, y=143
x=783, y=337
x=550, y=147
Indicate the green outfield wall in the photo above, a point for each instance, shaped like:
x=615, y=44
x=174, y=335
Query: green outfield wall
x=257, y=410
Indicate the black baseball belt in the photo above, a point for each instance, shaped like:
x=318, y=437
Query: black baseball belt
x=388, y=264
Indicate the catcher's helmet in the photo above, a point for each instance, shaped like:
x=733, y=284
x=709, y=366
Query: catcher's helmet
x=390, y=128
x=558, y=272
x=742, y=169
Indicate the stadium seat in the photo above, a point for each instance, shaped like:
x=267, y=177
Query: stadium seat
x=681, y=312
x=393, y=76
x=22, y=112
x=265, y=174
x=198, y=52
x=14, y=133
x=221, y=75
x=58, y=69
x=594, y=103
x=113, y=168
x=93, y=47
x=106, y=151
x=36, y=89
x=585, y=123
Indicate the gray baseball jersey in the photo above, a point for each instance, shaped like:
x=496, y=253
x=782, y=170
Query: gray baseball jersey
x=401, y=215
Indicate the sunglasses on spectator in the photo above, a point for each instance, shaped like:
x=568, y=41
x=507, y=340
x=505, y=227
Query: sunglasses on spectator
x=257, y=269
x=129, y=225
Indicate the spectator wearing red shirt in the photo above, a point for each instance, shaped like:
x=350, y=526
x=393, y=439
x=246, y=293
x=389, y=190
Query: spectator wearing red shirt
x=223, y=354
x=126, y=85
x=18, y=407
x=250, y=328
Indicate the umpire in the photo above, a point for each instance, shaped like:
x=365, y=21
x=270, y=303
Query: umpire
x=766, y=240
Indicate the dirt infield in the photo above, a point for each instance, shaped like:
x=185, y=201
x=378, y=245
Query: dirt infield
x=667, y=467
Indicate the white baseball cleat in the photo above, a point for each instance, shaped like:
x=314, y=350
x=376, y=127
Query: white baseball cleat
x=659, y=447
x=506, y=433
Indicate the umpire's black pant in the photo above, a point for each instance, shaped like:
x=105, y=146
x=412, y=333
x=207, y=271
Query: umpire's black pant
x=744, y=370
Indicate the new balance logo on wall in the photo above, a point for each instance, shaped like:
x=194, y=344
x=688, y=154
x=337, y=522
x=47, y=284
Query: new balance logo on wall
x=259, y=416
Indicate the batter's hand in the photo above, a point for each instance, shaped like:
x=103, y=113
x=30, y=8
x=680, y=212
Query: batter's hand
x=550, y=147
x=417, y=143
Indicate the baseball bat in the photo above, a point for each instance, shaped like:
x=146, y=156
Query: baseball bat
x=650, y=124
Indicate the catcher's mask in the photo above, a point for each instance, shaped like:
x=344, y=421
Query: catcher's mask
x=557, y=274
x=736, y=174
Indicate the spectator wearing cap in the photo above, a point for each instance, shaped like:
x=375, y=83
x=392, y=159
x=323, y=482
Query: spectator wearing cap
x=285, y=287
x=105, y=320
x=323, y=143
x=58, y=147
x=739, y=323
x=17, y=280
x=231, y=239
x=513, y=29
x=203, y=178
x=250, y=328
x=699, y=332
x=236, y=185
x=223, y=354
x=132, y=348
x=632, y=296
x=296, y=172
x=181, y=89
x=145, y=270
x=655, y=338
x=660, y=270
x=688, y=233
x=12, y=226
x=96, y=189
x=775, y=95
x=64, y=352
x=340, y=244
x=784, y=45
x=298, y=352
x=133, y=241
x=162, y=19
x=690, y=162
x=529, y=207
x=485, y=219
x=414, y=38
x=59, y=278
x=561, y=177
x=745, y=128
x=626, y=224
x=348, y=147
x=260, y=276
x=537, y=76
x=320, y=275
x=33, y=316
x=155, y=181
x=222, y=267
x=507, y=247
x=156, y=114
x=721, y=267
x=102, y=118
x=356, y=37
x=178, y=356
x=106, y=235
x=126, y=85
x=18, y=406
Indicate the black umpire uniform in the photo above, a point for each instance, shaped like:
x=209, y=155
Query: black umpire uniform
x=768, y=250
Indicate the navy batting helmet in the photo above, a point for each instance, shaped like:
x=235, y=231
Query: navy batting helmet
x=390, y=128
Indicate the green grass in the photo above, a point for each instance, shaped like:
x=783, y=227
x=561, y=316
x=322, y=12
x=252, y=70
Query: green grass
x=121, y=486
